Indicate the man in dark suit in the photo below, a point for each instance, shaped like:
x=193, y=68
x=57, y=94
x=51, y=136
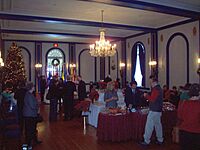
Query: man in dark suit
x=81, y=89
x=68, y=98
x=132, y=95
x=43, y=84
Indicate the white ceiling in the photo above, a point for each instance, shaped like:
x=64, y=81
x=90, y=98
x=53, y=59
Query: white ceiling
x=86, y=11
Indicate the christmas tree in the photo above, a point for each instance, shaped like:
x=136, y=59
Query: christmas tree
x=15, y=63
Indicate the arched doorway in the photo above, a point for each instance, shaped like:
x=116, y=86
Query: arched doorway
x=55, y=58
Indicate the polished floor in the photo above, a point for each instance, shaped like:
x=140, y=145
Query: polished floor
x=69, y=135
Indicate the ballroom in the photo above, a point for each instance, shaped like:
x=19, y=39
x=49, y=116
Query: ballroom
x=87, y=42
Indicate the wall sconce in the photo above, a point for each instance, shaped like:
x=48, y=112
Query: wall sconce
x=38, y=65
x=122, y=65
x=72, y=65
x=152, y=63
x=198, y=60
x=1, y=61
x=198, y=70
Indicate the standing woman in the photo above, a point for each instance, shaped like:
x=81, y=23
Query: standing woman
x=30, y=111
x=110, y=96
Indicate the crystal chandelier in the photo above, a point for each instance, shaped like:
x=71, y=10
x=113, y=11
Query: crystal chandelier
x=102, y=48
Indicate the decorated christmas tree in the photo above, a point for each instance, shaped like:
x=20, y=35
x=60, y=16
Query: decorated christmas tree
x=15, y=63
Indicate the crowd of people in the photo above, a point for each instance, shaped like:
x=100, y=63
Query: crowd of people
x=61, y=95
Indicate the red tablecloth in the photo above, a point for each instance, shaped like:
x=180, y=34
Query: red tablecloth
x=113, y=127
x=129, y=126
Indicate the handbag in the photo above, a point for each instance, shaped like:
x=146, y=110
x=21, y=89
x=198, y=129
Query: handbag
x=39, y=118
x=48, y=96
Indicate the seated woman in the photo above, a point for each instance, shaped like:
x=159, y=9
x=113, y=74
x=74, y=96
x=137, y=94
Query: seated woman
x=189, y=120
x=110, y=96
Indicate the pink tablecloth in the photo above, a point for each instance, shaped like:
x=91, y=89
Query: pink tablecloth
x=129, y=126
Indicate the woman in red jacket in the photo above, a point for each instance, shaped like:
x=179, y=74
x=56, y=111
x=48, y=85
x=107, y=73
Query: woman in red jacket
x=189, y=120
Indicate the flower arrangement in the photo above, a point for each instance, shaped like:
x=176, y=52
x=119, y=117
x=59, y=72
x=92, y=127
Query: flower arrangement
x=83, y=105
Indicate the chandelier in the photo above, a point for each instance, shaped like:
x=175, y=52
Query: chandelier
x=102, y=48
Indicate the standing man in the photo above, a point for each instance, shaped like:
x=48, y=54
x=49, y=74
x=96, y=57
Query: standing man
x=81, y=89
x=43, y=84
x=132, y=95
x=155, y=111
x=53, y=90
x=68, y=98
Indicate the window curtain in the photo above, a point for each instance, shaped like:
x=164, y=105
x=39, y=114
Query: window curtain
x=142, y=63
x=133, y=61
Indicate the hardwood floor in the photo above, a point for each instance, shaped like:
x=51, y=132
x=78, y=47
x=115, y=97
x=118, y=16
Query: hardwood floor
x=68, y=135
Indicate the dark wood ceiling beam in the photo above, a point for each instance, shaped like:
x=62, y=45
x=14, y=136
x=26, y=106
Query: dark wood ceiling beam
x=20, y=17
x=8, y=31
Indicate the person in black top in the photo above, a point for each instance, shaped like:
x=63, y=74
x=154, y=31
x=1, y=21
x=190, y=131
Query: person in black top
x=68, y=98
x=43, y=84
x=19, y=96
x=53, y=90
x=132, y=95
x=81, y=89
x=60, y=93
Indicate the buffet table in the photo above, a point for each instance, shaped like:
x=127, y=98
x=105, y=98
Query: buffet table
x=99, y=106
x=122, y=127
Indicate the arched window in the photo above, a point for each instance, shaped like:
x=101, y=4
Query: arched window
x=55, y=60
x=138, y=63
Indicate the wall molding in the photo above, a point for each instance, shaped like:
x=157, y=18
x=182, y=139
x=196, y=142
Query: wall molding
x=167, y=55
x=79, y=64
x=12, y=16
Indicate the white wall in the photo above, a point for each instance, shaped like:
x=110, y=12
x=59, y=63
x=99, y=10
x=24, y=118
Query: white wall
x=178, y=54
x=87, y=70
x=129, y=45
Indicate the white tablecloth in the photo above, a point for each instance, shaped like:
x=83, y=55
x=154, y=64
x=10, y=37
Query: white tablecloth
x=95, y=109
x=99, y=106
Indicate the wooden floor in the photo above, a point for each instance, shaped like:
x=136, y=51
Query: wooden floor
x=68, y=135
